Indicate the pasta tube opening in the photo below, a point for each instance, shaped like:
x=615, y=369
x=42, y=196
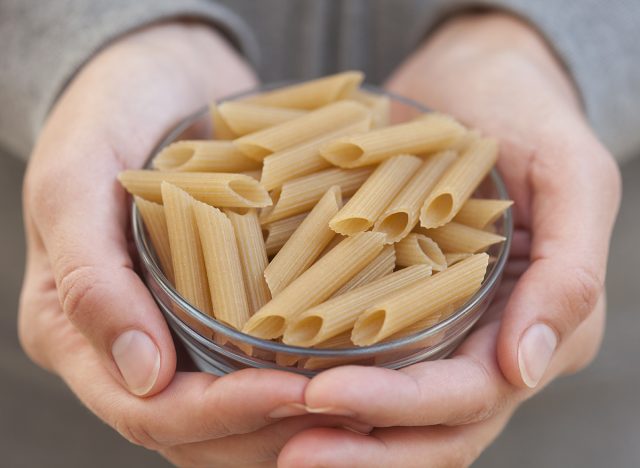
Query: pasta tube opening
x=269, y=326
x=341, y=154
x=438, y=211
x=304, y=332
x=350, y=226
x=368, y=327
x=394, y=224
x=173, y=157
x=253, y=150
x=249, y=189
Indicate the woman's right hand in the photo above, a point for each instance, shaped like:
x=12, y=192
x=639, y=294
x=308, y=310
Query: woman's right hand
x=85, y=314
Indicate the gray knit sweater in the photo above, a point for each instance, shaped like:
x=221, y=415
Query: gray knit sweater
x=43, y=43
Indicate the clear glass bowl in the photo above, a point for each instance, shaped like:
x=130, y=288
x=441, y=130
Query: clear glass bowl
x=219, y=349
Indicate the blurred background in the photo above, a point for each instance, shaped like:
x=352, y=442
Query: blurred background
x=588, y=420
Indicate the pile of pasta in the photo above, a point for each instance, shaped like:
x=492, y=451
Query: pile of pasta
x=311, y=220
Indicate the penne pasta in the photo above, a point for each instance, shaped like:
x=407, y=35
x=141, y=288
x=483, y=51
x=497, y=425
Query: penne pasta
x=455, y=237
x=379, y=104
x=253, y=256
x=186, y=252
x=380, y=266
x=368, y=203
x=222, y=260
x=480, y=213
x=220, y=129
x=305, y=244
x=401, y=215
x=420, y=300
x=155, y=222
x=301, y=194
x=316, y=284
x=337, y=315
x=418, y=249
x=458, y=183
x=455, y=257
x=303, y=159
x=203, y=156
x=255, y=174
x=294, y=132
x=311, y=94
x=219, y=189
x=427, y=135
x=278, y=232
x=239, y=118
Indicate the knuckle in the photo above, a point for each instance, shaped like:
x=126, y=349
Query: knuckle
x=582, y=292
x=79, y=289
x=136, y=433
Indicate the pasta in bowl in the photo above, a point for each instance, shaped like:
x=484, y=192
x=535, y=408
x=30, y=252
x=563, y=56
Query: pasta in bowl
x=325, y=224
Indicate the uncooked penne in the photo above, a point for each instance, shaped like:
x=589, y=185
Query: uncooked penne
x=203, y=156
x=224, y=270
x=303, y=159
x=186, y=251
x=458, y=183
x=278, y=232
x=417, y=137
x=454, y=257
x=368, y=203
x=480, y=213
x=380, y=266
x=456, y=237
x=316, y=284
x=155, y=222
x=214, y=188
x=325, y=120
x=379, y=104
x=253, y=256
x=310, y=94
x=240, y=118
x=301, y=194
x=338, y=314
x=420, y=300
x=305, y=244
x=401, y=215
x=220, y=129
x=418, y=249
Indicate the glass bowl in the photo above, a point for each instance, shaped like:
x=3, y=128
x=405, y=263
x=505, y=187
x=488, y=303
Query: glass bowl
x=219, y=349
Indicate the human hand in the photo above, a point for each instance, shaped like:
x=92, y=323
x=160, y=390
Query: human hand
x=85, y=314
x=495, y=74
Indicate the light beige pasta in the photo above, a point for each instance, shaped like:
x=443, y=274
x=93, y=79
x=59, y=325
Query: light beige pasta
x=301, y=194
x=480, y=213
x=311, y=94
x=203, y=156
x=286, y=360
x=325, y=120
x=304, y=159
x=316, y=284
x=253, y=256
x=334, y=242
x=224, y=270
x=156, y=224
x=337, y=315
x=418, y=249
x=417, y=137
x=186, y=252
x=458, y=183
x=454, y=257
x=219, y=189
x=255, y=174
x=240, y=118
x=401, y=215
x=368, y=203
x=380, y=266
x=220, y=129
x=420, y=300
x=379, y=104
x=456, y=237
x=416, y=327
x=278, y=232
x=305, y=244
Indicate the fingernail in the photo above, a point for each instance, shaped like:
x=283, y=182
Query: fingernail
x=288, y=410
x=536, y=348
x=332, y=410
x=138, y=360
x=358, y=428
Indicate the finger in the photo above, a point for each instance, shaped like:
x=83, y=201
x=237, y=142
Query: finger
x=574, y=206
x=259, y=448
x=83, y=230
x=436, y=446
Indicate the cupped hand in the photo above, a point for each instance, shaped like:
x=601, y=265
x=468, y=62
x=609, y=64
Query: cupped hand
x=496, y=74
x=85, y=314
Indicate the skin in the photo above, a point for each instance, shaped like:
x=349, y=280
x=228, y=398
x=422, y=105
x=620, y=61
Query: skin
x=492, y=72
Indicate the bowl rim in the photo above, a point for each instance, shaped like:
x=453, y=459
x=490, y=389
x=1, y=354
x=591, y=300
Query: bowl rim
x=147, y=255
